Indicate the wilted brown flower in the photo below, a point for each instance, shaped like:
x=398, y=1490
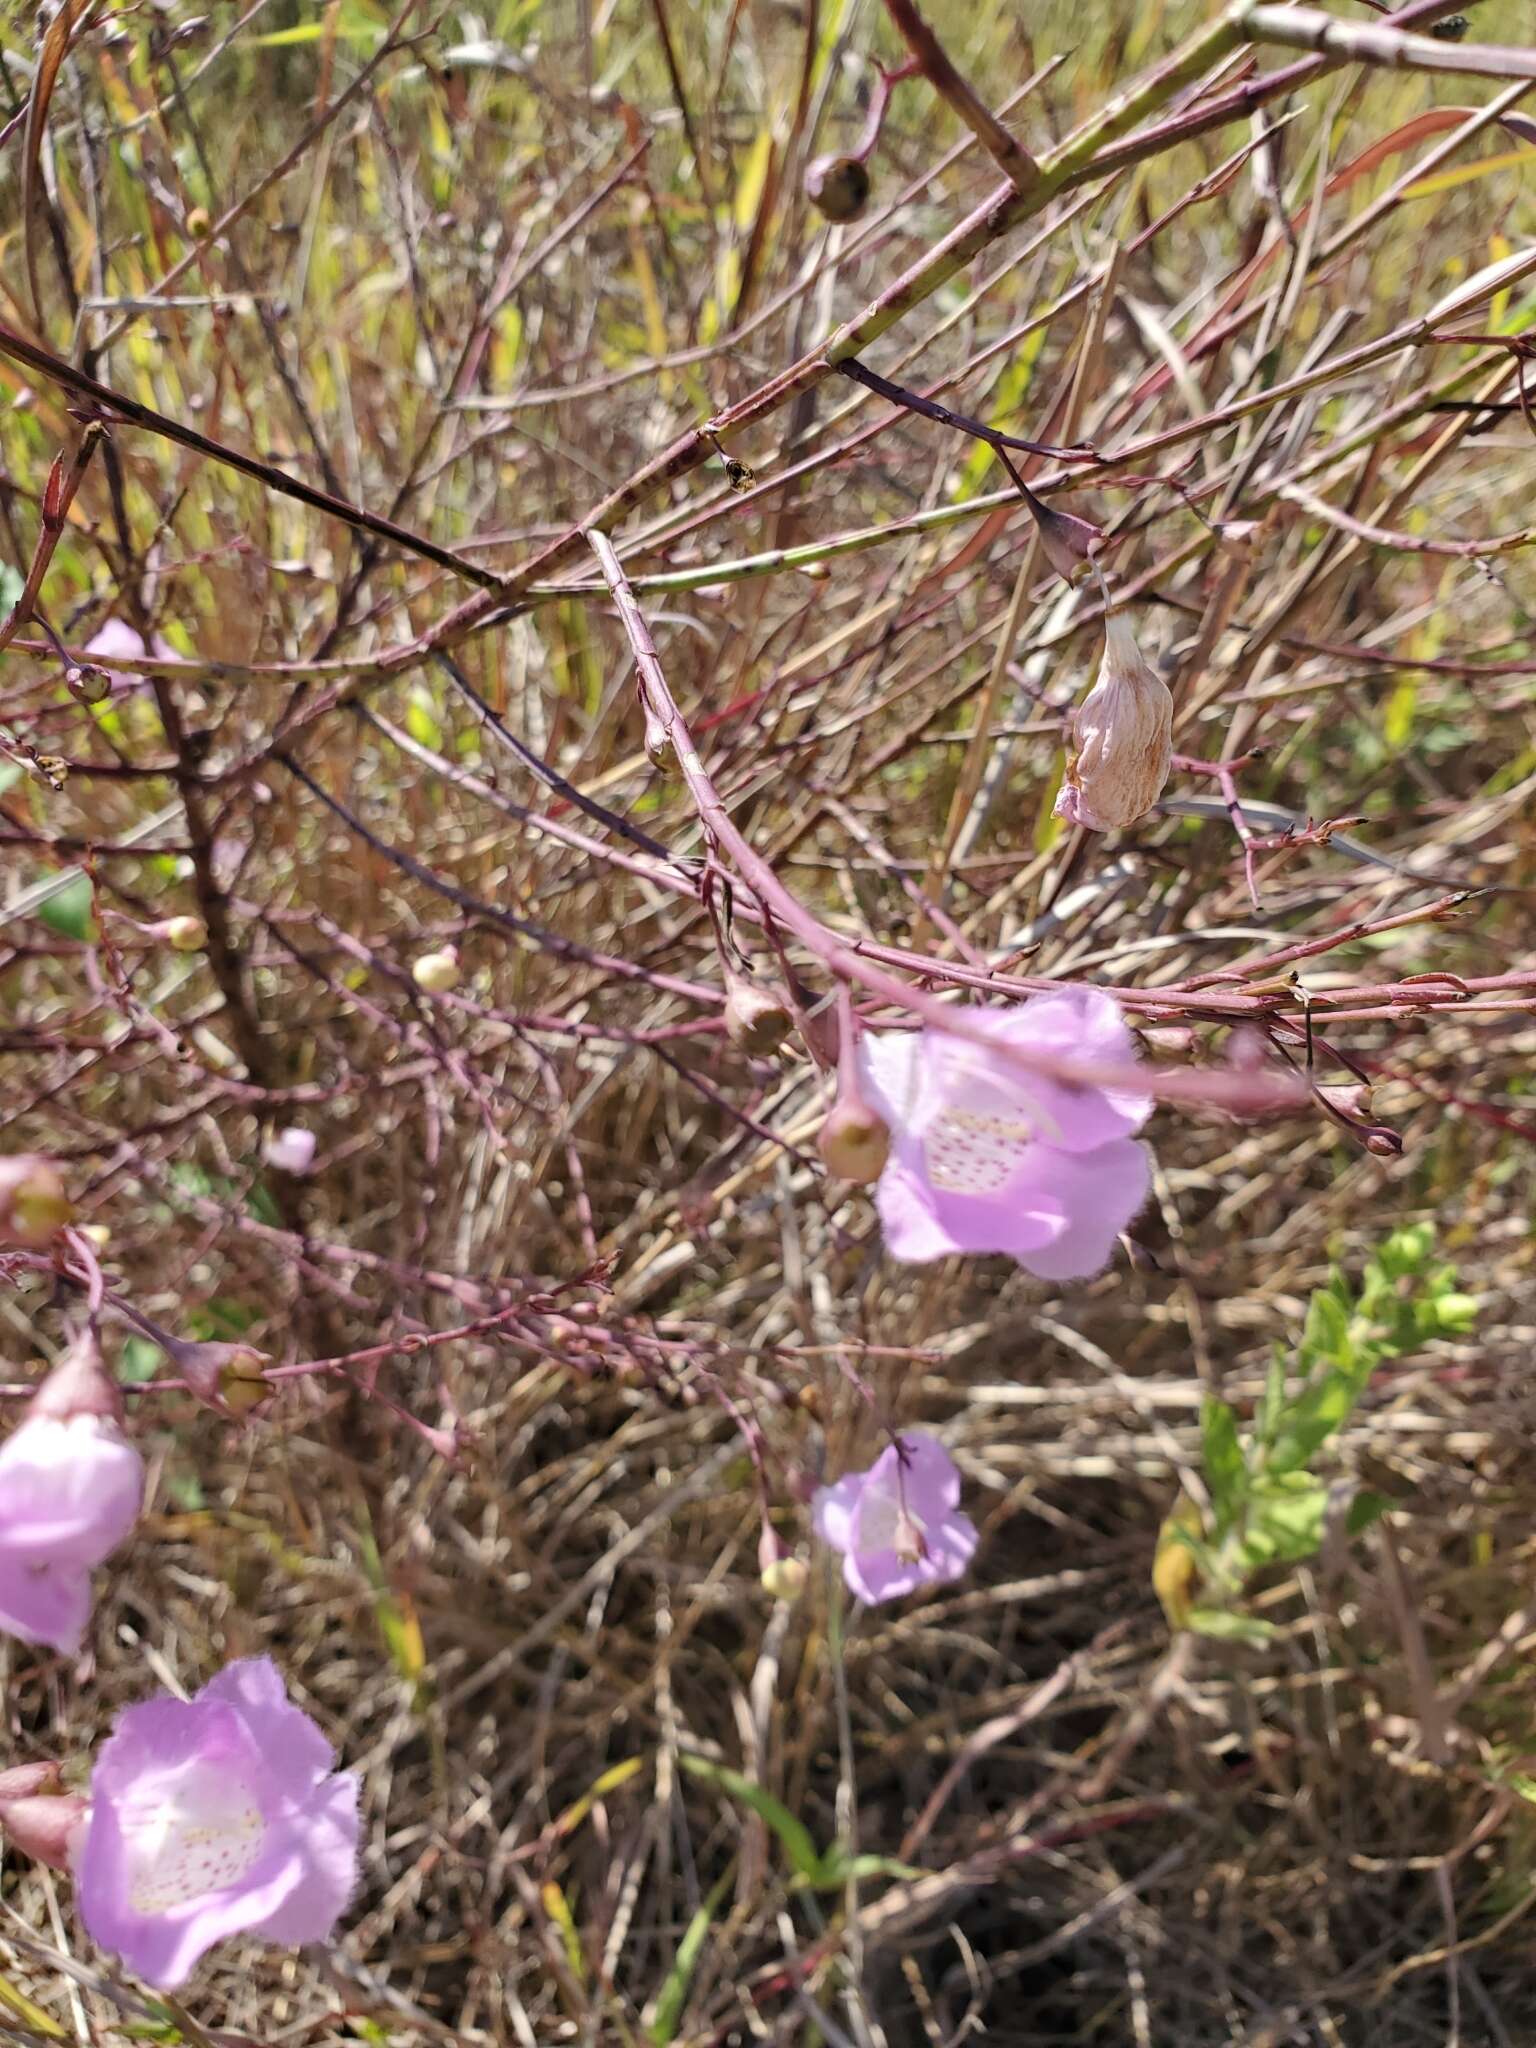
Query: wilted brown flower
x=1122, y=735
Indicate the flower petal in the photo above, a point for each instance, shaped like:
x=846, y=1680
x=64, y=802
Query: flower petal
x=833, y=1508
x=909, y=1220
x=1083, y=1024
x=1096, y=1194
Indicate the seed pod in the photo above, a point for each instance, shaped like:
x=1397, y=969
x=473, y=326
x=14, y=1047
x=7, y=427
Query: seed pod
x=659, y=750
x=87, y=683
x=1067, y=542
x=182, y=934
x=34, y=1204
x=854, y=1142
x=1122, y=734
x=838, y=187
x=436, y=972
x=756, y=1020
x=785, y=1578
x=780, y=1575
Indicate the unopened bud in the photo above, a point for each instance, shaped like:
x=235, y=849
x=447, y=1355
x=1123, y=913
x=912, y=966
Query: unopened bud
x=44, y=1825
x=34, y=1205
x=181, y=934
x=437, y=972
x=198, y=222
x=24, y=1781
x=1384, y=1143
x=756, y=1020
x=854, y=1142
x=1122, y=733
x=838, y=187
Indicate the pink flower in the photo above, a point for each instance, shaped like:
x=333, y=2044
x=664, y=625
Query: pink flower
x=215, y=1816
x=990, y=1158
x=897, y=1524
x=71, y=1486
x=115, y=637
x=1123, y=736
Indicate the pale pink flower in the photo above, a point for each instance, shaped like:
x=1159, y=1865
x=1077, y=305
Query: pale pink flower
x=988, y=1157
x=71, y=1487
x=291, y=1150
x=898, y=1525
x=211, y=1817
x=1122, y=733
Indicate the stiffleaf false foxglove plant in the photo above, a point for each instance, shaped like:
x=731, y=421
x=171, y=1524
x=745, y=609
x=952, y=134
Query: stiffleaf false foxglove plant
x=990, y=1158
x=898, y=1524
x=71, y=1487
x=215, y=1816
x=1122, y=737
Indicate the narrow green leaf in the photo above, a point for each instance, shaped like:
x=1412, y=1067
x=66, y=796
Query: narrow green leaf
x=673, y=1996
x=1232, y=1628
x=794, y=1836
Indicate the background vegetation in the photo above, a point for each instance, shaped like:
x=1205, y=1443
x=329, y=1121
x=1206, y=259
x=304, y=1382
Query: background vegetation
x=566, y=1294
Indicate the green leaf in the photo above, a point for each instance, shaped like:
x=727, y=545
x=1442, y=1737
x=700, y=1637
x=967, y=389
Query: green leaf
x=1226, y=1471
x=1365, y=1509
x=421, y=721
x=673, y=1996
x=138, y=1359
x=1232, y=1628
x=839, y=1868
x=1318, y=1413
x=1272, y=1406
x=1288, y=1521
x=794, y=1836
x=1326, y=1334
x=68, y=910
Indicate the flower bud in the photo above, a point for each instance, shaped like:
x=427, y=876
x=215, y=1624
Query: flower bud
x=838, y=187
x=44, y=1825
x=756, y=1020
x=181, y=934
x=291, y=1150
x=436, y=972
x=854, y=1142
x=24, y=1781
x=34, y=1205
x=1123, y=736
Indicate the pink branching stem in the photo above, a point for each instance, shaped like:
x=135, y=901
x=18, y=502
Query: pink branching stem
x=1243, y=1092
